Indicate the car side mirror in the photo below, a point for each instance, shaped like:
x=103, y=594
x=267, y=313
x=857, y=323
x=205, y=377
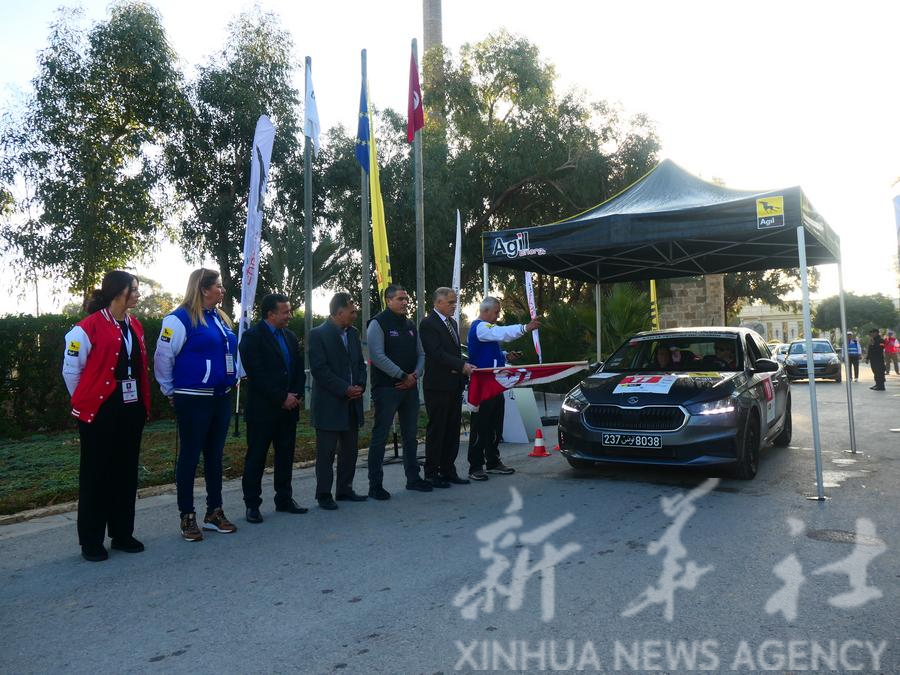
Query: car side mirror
x=765, y=366
x=595, y=366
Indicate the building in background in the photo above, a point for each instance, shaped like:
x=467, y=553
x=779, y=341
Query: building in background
x=781, y=325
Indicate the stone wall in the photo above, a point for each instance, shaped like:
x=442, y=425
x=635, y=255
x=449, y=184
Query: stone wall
x=694, y=302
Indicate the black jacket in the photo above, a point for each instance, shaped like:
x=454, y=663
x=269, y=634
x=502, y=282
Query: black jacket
x=331, y=367
x=268, y=379
x=443, y=357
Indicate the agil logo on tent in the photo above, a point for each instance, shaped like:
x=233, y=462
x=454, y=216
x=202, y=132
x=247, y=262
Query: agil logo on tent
x=769, y=212
x=511, y=248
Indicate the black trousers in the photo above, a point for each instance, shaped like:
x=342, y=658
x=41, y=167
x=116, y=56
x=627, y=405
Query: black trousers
x=279, y=430
x=487, y=431
x=108, y=475
x=346, y=445
x=878, y=371
x=404, y=403
x=444, y=410
x=854, y=366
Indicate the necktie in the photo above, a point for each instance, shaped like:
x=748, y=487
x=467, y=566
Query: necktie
x=452, y=331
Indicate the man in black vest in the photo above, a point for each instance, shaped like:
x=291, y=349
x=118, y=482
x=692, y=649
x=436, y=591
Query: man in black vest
x=397, y=364
x=271, y=357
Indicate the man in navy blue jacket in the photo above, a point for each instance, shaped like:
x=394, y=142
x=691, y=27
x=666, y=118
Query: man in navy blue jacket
x=273, y=361
x=339, y=380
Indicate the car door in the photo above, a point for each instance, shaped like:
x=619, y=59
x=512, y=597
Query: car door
x=780, y=383
x=763, y=389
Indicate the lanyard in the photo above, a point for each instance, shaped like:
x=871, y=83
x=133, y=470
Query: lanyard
x=222, y=329
x=126, y=334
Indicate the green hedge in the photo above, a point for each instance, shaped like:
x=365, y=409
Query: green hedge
x=33, y=396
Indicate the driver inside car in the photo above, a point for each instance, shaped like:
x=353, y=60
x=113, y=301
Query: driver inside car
x=725, y=354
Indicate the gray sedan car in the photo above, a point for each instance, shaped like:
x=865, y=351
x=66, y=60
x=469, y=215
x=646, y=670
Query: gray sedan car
x=681, y=397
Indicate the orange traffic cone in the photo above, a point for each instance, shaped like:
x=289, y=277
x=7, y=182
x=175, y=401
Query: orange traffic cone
x=556, y=448
x=539, y=449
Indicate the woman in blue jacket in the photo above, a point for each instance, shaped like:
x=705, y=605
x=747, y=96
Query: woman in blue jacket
x=195, y=367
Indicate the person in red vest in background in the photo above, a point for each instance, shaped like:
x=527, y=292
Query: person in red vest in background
x=891, y=353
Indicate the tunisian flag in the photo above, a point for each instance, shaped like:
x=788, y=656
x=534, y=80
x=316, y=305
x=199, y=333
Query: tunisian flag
x=416, y=116
x=485, y=383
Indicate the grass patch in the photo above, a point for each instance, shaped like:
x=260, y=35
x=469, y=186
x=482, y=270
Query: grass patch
x=41, y=470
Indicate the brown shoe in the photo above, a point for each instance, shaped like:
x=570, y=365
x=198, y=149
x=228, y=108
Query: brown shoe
x=218, y=522
x=189, y=529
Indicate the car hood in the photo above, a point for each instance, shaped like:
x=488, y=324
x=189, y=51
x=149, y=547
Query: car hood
x=659, y=388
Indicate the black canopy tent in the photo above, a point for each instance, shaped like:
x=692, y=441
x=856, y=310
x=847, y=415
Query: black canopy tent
x=670, y=223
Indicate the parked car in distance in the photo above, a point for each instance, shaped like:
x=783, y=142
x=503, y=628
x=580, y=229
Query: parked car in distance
x=779, y=351
x=680, y=397
x=826, y=362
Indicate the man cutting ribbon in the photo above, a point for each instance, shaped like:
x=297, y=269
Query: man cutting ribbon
x=487, y=423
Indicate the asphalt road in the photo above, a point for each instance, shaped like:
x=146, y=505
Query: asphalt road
x=371, y=587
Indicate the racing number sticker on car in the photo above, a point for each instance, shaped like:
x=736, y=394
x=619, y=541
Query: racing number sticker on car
x=649, y=384
x=769, y=392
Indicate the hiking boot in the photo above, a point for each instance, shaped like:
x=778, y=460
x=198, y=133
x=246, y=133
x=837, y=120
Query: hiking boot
x=189, y=529
x=218, y=522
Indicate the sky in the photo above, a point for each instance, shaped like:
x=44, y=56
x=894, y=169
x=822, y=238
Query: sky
x=757, y=94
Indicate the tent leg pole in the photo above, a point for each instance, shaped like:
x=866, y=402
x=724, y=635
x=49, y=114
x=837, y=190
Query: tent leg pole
x=597, y=307
x=485, y=280
x=810, y=363
x=851, y=426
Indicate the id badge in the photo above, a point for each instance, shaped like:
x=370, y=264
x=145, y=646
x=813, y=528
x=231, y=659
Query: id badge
x=229, y=363
x=129, y=391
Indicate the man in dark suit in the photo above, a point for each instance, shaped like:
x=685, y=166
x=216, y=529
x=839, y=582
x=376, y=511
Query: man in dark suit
x=443, y=383
x=339, y=380
x=273, y=361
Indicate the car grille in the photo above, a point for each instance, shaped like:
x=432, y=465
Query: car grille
x=651, y=418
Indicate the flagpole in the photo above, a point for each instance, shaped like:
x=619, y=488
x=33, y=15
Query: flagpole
x=366, y=293
x=420, y=211
x=307, y=248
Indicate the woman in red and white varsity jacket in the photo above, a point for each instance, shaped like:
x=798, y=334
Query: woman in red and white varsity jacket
x=105, y=369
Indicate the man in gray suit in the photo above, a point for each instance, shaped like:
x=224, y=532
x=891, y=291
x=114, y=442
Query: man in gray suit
x=339, y=380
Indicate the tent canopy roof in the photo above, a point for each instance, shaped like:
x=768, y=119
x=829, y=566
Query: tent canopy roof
x=669, y=224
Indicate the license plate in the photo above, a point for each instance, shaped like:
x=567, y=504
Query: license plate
x=632, y=440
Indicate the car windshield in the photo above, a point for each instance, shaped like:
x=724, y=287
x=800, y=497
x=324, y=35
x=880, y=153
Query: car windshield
x=782, y=349
x=668, y=353
x=818, y=348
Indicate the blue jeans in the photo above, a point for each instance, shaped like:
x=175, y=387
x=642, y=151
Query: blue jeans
x=388, y=402
x=202, y=429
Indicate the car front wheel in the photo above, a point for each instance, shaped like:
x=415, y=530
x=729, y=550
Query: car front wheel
x=748, y=449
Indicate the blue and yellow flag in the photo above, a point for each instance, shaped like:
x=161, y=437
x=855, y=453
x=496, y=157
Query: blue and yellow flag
x=362, y=131
x=367, y=156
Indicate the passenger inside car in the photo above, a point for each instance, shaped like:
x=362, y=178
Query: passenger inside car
x=664, y=358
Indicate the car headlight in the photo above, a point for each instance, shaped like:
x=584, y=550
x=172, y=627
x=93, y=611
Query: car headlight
x=724, y=406
x=575, y=401
x=833, y=361
x=794, y=361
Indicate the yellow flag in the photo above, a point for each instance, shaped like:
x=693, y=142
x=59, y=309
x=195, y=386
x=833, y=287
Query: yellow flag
x=379, y=229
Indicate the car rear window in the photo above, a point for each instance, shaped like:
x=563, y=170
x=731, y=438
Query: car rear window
x=674, y=353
